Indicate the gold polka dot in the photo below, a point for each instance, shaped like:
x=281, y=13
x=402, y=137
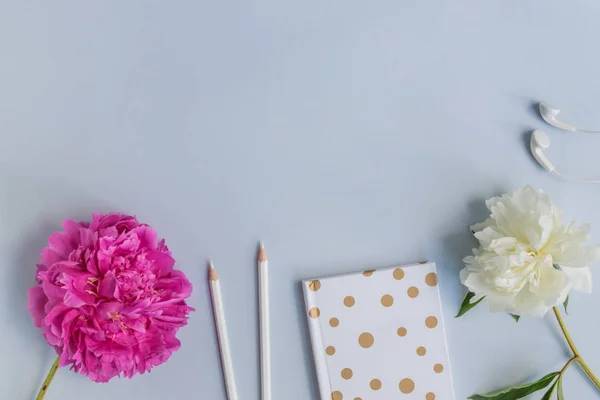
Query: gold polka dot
x=387, y=300
x=357, y=398
x=375, y=384
x=349, y=301
x=423, y=262
x=413, y=292
x=421, y=350
x=334, y=322
x=347, y=373
x=398, y=274
x=438, y=368
x=314, y=285
x=406, y=385
x=330, y=350
x=431, y=279
x=314, y=312
x=368, y=272
x=337, y=395
x=431, y=322
x=366, y=340
x=401, y=331
x=430, y=396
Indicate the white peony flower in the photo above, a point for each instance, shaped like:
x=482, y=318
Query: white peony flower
x=527, y=261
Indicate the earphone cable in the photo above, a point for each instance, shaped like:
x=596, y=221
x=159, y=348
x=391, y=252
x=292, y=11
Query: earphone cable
x=555, y=172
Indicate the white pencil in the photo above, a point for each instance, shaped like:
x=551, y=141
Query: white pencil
x=265, y=334
x=219, y=313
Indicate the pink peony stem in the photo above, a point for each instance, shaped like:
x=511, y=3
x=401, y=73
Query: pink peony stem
x=48, y=380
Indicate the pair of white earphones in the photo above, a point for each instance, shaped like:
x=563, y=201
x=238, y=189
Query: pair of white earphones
x=541, y=141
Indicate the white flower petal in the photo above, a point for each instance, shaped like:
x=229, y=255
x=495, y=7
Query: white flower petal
x=579, y=278
x=549, y=282
x=498, y=303
x=482, y=225
x=503, y=245
x=487, y=236
x=530, y=305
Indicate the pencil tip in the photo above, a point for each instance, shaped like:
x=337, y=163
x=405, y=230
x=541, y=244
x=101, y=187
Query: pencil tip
x=262, y=254
x=212, y=273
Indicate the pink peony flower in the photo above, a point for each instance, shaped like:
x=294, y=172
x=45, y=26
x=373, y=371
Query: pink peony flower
x=108, y=299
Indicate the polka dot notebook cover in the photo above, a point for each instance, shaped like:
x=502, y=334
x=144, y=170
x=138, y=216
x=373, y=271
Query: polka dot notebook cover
x=379, y=335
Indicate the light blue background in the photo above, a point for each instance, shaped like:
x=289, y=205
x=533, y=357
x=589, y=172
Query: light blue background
x=345, y=134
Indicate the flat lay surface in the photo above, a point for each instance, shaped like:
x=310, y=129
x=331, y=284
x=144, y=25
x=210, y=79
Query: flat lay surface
x=345, y=135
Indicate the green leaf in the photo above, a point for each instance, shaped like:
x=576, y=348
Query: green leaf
x=548, y=394
x=566, y=304
x=467, y=305
x=515, y=317
x=518, y=392
x=559, y=391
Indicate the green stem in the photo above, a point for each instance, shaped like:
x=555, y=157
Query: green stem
x=562, y=372
x=48, y=380
x=564, y=369
x=577, y=355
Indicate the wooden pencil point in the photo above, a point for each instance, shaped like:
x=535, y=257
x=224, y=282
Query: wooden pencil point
x=262, y=254
x=212, y=274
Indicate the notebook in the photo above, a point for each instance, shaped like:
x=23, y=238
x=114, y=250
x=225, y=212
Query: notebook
x=379, y=335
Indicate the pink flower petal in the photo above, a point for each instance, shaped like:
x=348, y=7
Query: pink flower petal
x=104, y=260
x=162, y=261
x=108, y=285
x=52, y=291
x=148, y=236
x=106, y=308
x=60, y=243
x=36, y=301
x=108, y=221
x=88, y=238
x=72, y=229
x=72, y=299
x=49, y=256
x=110, y=232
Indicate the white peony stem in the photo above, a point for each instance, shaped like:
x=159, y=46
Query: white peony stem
x=577, y=356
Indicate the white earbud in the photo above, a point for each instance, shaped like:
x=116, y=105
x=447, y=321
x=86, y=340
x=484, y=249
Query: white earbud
x=549, y=115
x=539, y=142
